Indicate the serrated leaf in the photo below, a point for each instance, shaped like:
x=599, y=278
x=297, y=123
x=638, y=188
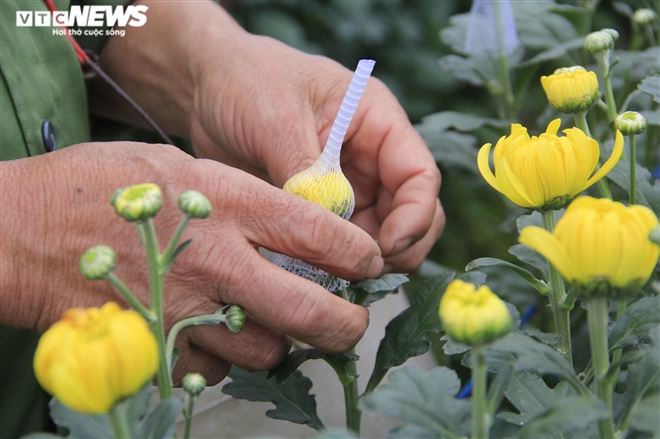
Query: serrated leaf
x=161, y=422
x=539, y=27
x=423, y=400
x=406, y=334
x=532, y=397
x=525, y=275
x=635, y=323
x=477, y=278
x=292, y=362
x=643, y=378
x=535, y=356
x=551, y=339
x=569, y=417
x=498, y=387
x=532, y=219
x=554, y=52
x=449, y=148
x=530, y=257
x=80, y=425
x=464, y=69
x=651, y=86
x=369, y=291
x=452, y=347
x=291, y=398
x=647, y=194
x=646, y=417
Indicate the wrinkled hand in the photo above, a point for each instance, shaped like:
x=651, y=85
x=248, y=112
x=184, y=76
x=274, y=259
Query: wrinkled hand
x=272, y=107
x=59, y=207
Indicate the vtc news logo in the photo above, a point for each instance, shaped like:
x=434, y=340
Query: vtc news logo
x=85, y=16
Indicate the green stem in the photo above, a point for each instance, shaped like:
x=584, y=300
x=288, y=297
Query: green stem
x=166, y=258
x=148, y=232
x=597, y=318
x=604, y=62
x=130, y=298
x=561, y=314
x=351, y=398
x=581, y=123
x=503, y=64
x=480, y=418
x=188, y=416
x=118, y=422
x=209, y=319
x=633, y=169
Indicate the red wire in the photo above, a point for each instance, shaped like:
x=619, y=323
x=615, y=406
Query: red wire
x=80, y=53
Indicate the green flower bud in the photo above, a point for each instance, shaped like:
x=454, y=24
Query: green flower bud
x=235, y=318
x=611, y=32
x=599, y=41
x=644, y=16
x=194, y=384
x=474, y=316
x=138, y=202
x=194, y=204
x=630, y=122
x=654, y=236
x=97, y=262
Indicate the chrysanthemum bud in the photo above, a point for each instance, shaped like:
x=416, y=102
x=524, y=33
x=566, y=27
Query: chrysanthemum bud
x=194, y=204
x=599, y=41
x=194, y=384
x=644, y=16
x=611, y=32
x=630, y=122
x=97, y=262
x=474, y=316
x=138, y=202
x=235, y=318
x=571, y=89
x=654, y=236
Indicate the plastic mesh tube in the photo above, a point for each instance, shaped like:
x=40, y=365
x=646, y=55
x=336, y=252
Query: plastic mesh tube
x=324, y=183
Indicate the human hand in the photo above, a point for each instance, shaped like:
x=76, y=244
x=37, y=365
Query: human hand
x=59, y=207
x=259, y=105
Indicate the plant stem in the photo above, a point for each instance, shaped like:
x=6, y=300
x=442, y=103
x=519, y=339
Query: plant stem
x=210, y=319
x=560, y=312
x=597, y=318
x=581, y=123
x=604, y=62
x=351, y=398
x=503, y=64
x=480, y=418
x=171, y=246
x=148, y=231
x=633, y=170
x=118, y=422
x=130, y=297
x=188, y=415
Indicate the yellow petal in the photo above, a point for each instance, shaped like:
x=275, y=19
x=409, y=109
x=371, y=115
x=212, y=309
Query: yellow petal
x=484, y=168
x=610, y=163
x=553, y=127
x=549, y=246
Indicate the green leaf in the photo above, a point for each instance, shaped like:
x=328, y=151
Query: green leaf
x=423, y=400
x=646, y=416
x=292, y=362
x=554, y=52
x=574, y=416
x=530, y=257
x=161, y=422
x=643, y=379
x=335, y=433
x=291, y=398
x=539, y=27
x=635, y=324
x=551, y=339
x=406, y=334
x=80, y=425
x=533, y=219
x=497, y=388
x=528, y=277
x=651, y=86
x=339, y=362
x=532, y=397
x=464, y=122
x=648, y=194
x=449, y=148
x=464, y=69
x=41, y=435
x=623, y=8
x=369, y=291
x=176, y=253
x=535, y=356
x=453, y=347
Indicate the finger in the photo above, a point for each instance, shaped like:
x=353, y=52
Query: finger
x=293, y=305
x=411, y=258
x=255, y=347
x=194, y=359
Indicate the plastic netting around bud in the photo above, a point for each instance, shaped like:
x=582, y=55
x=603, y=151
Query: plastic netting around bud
x=324, y=183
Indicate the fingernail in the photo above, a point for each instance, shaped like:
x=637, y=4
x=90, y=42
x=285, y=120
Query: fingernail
x=376, y=267
x=401, y=245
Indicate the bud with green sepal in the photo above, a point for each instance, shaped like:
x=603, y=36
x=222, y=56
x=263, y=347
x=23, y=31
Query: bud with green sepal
x=194, y=384
x=644, y=16
x=194, y=204
x=630, y=123
x=235, y=318
x=600, y=41
x=138, y=202
x=97, y=262
x=571, y=89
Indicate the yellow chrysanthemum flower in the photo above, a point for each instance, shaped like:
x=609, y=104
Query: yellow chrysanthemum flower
x=473, y=316
x=548, y=171
x=330, y=189
x=600, y=246
x=92, y=358
x=571, y=89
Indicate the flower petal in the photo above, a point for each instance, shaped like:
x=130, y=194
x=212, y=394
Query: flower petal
x=610, y=163
x=549, y=246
